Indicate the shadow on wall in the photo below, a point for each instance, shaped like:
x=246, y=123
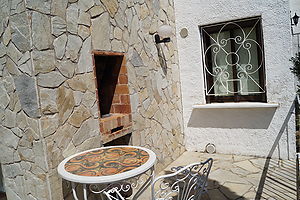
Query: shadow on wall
x=250, y=118
x=162, y=58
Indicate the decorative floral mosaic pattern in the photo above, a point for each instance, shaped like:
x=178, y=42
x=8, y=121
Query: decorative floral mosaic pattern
x=105, y=162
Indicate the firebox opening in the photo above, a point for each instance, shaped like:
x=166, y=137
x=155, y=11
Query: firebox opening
x=117, y=129
x=124, y=140
x=113, y=95
x=107, y=73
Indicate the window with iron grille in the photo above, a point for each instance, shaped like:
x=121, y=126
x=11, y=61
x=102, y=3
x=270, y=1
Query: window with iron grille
x=233, y=59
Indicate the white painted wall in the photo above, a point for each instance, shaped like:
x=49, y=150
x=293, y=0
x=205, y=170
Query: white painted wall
x=251, y=131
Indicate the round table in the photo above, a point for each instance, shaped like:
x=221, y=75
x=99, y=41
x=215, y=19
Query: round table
x=106, y=165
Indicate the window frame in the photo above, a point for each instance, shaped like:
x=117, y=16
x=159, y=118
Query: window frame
x=207, y=61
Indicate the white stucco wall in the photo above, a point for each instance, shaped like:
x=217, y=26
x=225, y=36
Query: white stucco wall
x=251, y=131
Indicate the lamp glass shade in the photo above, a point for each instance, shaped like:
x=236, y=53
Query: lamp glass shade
x=296, y=19
x=164, y=31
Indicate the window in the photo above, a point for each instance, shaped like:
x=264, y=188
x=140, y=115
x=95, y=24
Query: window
x=234, y=61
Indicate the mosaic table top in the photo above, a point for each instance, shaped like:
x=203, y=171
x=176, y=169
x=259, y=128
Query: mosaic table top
x=107, y=161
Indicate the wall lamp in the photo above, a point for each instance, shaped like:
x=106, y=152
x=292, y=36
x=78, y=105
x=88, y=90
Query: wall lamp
x=295, y=19
x=294, y=22
x=163, y=35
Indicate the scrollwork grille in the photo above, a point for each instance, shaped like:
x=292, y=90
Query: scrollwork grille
x=185, y=183
x=234, y=61
x=124, y=190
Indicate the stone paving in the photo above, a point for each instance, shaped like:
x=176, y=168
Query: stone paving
x=238, y=177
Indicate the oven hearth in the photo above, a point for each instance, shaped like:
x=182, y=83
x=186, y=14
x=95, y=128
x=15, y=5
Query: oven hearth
x=113, y=95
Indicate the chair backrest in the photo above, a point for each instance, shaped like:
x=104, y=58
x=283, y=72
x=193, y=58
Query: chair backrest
x=186, y=183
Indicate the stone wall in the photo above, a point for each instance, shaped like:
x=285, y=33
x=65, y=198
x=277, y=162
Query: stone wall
x=153, y=73
x=23, y=149
x=48, y=104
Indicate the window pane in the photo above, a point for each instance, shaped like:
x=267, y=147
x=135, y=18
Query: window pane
x=247, y=65
x=222, y=72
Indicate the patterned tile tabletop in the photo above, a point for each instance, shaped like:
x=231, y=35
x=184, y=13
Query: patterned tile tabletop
x=106, y=162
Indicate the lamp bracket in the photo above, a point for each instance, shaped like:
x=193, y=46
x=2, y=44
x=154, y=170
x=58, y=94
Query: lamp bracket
x=158, y=40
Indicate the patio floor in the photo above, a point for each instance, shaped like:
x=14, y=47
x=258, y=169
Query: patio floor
x=243, y=177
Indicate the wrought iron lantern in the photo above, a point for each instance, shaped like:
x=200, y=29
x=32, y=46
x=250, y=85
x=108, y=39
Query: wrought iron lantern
x=163, y=35
x=294, y=22
x=295, y=19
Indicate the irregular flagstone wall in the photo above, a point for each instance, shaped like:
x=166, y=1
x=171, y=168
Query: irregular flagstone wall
x=22, y=147
x=48, y=105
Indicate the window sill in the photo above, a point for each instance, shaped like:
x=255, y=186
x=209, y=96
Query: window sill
x=236, y=105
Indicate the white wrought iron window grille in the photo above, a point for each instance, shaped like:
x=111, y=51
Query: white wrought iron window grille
x=233, y=59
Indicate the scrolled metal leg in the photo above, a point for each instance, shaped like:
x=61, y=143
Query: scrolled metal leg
x=74, y=191
x=84, y=192
x=146, y=184
x=152, y=181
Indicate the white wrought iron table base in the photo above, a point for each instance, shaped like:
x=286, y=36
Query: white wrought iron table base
x=114, y=190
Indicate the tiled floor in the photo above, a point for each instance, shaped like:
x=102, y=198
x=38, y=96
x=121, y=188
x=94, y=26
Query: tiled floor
x=242, y=177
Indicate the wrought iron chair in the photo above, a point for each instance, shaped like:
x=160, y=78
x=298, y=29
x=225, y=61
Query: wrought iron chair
x=185, y=183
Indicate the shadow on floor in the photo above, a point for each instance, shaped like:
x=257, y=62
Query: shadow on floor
x=2, y=196
x=219, y=192
x=278, y=179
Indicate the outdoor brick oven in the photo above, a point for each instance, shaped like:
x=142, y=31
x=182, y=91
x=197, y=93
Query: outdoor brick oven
x=112, y=95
